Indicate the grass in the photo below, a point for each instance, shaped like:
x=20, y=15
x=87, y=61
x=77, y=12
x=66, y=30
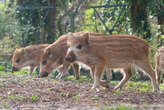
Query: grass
x=34, y=98
x=76, y=98
x=142, y=86
x=95, y=97
x=2, y=84
x=6, y=106
x=21, y=98
x=121, y=107
x=161, y=87
x=12, y=96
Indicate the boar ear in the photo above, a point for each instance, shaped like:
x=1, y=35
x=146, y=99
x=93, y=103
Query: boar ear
x=48, y=51
x=70, y=34
x=21, y=50
x=86, y=38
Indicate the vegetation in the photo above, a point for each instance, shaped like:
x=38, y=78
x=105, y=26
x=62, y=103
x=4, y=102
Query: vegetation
x=26, y=22
x=43, y=21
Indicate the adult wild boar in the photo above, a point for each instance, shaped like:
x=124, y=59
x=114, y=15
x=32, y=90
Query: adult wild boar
x=159, y=63
x=100, y=51
x=27, y=56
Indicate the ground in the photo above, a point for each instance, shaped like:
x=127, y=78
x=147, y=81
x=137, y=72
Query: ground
x=24, y=92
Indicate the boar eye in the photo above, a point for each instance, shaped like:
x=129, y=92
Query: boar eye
x=79, y=46
x=44, y=62
x=18, y=60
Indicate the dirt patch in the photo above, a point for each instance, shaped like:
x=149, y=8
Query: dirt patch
x=26, y=93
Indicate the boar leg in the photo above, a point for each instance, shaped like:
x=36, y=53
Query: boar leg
x=158, y=72
x=97, y=76
x=92, y=71
x=31, y=69
x=145, y=65
x=127, y=73
x=108, y=75
x=63, y=70
x=76, y=70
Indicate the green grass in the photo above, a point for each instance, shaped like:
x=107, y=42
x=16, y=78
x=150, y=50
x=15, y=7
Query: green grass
x=139, y=86
x=161, y=87
x=21, y=72
x=2, y=84
x=2, y=68
x=76, y=98
x=121, y=107
x=21, y=98
x=6, y=106
x=11, y=97
x=34, y=98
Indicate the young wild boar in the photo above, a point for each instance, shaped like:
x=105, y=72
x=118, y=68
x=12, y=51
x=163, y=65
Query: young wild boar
x=54, y=56
x=100, y=51
x=159, y=63
x=28, y=56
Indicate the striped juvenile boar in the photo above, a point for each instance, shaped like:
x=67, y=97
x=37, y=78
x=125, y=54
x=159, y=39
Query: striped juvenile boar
x=100, y=51
x=27, y=56
x=53, y=57
x=159, y=63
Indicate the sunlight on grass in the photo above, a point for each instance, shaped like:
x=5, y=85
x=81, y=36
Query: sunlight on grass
x=122, y=107
x=72, y=78
x=139, y=86
x=69, y=78
x=21, y=72
x=161, y=87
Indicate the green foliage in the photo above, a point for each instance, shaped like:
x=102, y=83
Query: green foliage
x=139, y=17
x=109, y=16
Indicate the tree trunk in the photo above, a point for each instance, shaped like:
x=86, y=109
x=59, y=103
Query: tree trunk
x=51, y=29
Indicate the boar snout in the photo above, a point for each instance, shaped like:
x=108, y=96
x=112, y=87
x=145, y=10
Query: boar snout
x=14, y=69
x=44, y=74
x=70, y=56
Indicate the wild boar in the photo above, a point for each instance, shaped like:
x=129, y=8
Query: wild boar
x=100, y=51
x=159, y=63
x=30, y=56
x=54, y=57
x=27, y=56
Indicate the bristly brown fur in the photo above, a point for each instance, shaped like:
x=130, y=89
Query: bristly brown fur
x=159, y=63
x=100, y=51
x=28, y=56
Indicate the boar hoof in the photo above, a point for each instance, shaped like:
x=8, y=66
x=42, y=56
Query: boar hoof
x=61, y=76
x=104, y=84
x=58, y=76
x=95, y=89
x=156, y=90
